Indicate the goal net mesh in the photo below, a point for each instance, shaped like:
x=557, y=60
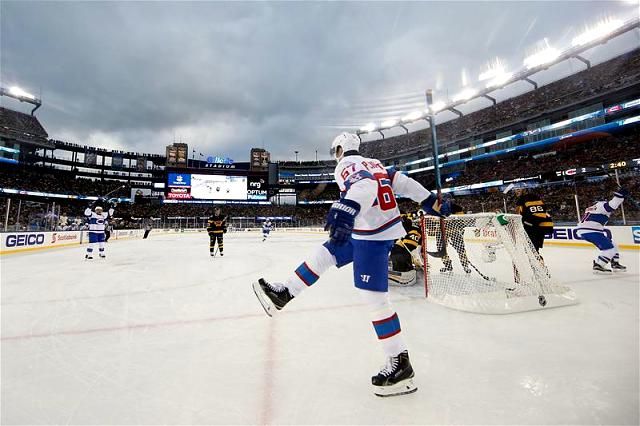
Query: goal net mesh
x=486, y=263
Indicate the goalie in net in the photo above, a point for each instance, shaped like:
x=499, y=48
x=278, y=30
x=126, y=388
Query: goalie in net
x=486, y=263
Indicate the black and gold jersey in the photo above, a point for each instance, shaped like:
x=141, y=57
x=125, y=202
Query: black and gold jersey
x=534, y=213
x=217, y=224
x=412, y=240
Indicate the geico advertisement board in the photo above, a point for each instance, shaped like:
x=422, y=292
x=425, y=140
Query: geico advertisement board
x=24, y=241
x=624, y=236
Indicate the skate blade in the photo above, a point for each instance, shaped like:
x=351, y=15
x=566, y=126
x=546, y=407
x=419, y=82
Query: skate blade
x=602, y=272
x=403, y=388
x=619, y=271
x=268, y=307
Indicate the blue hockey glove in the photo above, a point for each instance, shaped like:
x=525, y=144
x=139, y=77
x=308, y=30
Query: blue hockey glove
x=621, y=193
x=340, y=220
x=432, y=207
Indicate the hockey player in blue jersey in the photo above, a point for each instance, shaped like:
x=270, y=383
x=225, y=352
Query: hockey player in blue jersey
x=267, y=226
x=591, y=228
x=363, y=227
x=96, y=219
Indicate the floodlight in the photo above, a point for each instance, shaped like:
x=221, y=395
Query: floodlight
x=545, y=56
x=412, y=116
x=499, y=80
x=19, y=93
x=389, y=123
x=495, y=69
x=368, y=127
x=436, y=106
x=465, y=95
x=601, y=30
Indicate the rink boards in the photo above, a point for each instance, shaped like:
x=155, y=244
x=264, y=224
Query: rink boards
x=626, y=237
x=18, y=242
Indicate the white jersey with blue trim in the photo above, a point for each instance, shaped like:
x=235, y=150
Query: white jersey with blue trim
x=267, y=226
x=596, y=217
x=367, y=182
x=97, y=221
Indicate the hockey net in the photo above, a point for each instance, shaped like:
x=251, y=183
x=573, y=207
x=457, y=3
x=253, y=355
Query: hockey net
x=486, y=263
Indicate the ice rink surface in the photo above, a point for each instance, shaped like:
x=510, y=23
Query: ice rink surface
x=160, y=333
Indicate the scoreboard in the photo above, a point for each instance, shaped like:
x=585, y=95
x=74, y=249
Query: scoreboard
x=227, y=185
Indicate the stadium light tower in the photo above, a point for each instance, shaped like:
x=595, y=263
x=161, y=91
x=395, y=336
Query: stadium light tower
x=16, y=92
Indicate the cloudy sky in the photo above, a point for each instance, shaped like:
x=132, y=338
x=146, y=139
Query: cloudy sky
x=224, y=77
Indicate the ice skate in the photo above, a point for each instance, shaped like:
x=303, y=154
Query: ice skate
x=88, y=257
x=617, y=267
x=599, y=269
x=103, y=256
x=272, y=297
x=395, y=378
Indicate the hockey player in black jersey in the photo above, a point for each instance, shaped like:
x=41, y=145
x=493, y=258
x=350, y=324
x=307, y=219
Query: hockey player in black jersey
x=456, y=239
x=216, y=228
x=402, y=270
x=535, y=218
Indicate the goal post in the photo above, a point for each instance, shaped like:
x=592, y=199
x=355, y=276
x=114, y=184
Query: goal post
x=485, y=263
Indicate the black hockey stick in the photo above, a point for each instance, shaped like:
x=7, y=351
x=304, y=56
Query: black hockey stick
x=111, y=192
x=628, y=198
x=484, y=277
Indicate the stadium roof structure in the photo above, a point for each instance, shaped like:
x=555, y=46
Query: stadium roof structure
x=533, y=64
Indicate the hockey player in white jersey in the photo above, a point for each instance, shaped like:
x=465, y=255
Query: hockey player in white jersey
x=96, y=219
x=591, y=228
x=267, y=226
x=363, y=227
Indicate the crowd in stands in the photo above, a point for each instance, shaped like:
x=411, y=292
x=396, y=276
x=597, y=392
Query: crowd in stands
x=599, y=79
x=21, y=126
x=559, y=198
x=563, y=156
x=57, y=181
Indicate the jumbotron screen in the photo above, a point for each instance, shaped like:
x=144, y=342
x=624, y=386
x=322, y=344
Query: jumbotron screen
x=199, y=186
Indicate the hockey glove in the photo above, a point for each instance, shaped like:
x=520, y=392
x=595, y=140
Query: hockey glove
x=621, y=193
x=340, y=220
x=433, y=207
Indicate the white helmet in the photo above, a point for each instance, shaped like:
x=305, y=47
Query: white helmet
x=347, y=141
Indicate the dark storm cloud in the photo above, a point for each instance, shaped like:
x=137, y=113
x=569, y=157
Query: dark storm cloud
x=227, y=76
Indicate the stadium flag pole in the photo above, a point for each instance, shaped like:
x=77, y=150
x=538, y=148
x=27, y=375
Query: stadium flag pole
x=436, y=168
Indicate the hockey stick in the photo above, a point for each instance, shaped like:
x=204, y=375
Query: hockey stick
x=109, y=193
x=628, y=198
x=416, y=263
x=484, y=277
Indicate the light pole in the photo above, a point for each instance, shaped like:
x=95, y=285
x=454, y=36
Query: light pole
x=296, y=152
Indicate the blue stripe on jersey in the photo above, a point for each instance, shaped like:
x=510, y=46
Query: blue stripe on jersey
x=391, y=171
x=380, y=229
x=595, y=217
x=356, y=177
x=607, y=207
x=387, y=327
x=306, y=274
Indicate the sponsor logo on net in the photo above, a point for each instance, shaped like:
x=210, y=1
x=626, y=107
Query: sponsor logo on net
x=24, y=240
x=635, y=230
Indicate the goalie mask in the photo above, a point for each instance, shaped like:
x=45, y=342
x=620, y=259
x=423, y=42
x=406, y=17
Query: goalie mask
x=346, y=141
